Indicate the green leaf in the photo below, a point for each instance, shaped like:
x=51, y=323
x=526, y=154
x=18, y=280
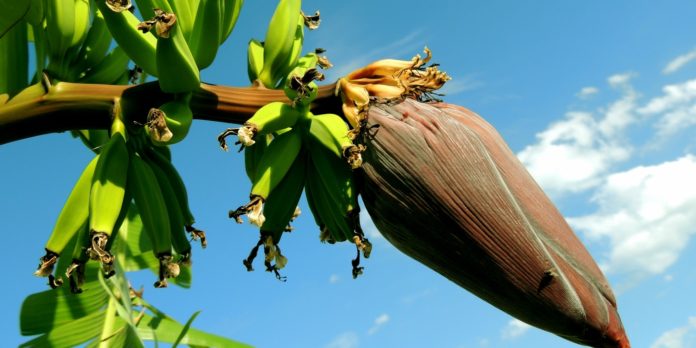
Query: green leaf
x=71, y=333
x=46, y=310
x=187, y=326
x=13, y=11
x=166, y=329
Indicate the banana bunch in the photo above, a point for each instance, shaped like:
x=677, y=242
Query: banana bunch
x=127, y=168
x=270, y=62
x=288, y=150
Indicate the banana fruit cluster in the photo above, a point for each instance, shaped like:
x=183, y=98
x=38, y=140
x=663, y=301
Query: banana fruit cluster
x=269, y=62
x=289, y=150
x=127, y=172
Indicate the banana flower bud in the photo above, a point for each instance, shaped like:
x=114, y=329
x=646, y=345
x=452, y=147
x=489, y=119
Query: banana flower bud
x=444, y=188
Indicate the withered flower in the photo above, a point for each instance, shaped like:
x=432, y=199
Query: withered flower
x=444, y=188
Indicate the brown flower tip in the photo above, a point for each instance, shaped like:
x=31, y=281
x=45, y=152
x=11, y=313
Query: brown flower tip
x=389, y=79
x=97, y=251
x=165, y=23
x=253, y=210
x=312, y=22
x=197, y=234
x=324, y=62
x=76, y=275
x=46, y=264
x=157, y=126
x=168, y=268
x=353, y=154
x=119, y=5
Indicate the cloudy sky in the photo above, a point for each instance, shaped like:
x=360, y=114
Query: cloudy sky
x=597, y=98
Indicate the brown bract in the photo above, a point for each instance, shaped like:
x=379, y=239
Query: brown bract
x=444, y=188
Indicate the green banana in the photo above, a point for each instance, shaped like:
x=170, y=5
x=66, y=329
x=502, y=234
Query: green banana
x=279, y=41
x=292, y=58
x=82, y=20
x=109, y=70
x=171, y=122
x=153, y=212
x=139, y=46
x=60, y=26
x=332, y=132
x=108, y=192
x=279, y=209
x=95, y=46
x=185, y=15
x=253, y=154
x=35, y=16
x=75, y=272
x=14, y=58
x=326, y=213
x=254, y=60
x=205, y=36
x=270, y=118
x=271, y=168
x=231, y=10
x=276, y=162
x=71, y=219
x=178, y=72
x=94, y=139
x=157, y=158
x=176, y=218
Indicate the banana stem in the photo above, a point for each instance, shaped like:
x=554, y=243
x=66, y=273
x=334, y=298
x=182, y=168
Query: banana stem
x=69, y=106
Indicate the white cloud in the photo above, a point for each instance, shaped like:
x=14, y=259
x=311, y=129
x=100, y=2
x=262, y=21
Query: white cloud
x=587, y=92
x=514, y=328
x=379, y=322
x=647, y=215
x=680, y=337
x=675, y=109
x=345, y=340
x=620, y=80
x=573, y=154
x=677, y=63
x=334, y=278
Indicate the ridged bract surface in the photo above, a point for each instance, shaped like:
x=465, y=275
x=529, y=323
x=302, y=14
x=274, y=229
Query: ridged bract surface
x=444, y=188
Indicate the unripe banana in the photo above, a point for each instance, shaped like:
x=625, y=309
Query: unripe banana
x=270, y=118
x=139, y=46
x=231, y=10
x=186, y=15
x=14, y=60
x=60, y=26
x=157, y=158
x=279, y=208
x=35, y=16
x=327, y=214
x=94, y=47
x=205, y=36
x=292, y=58
x=82, y=20
x=108, y=193
x=153, y=212
x=278, y=44
x=177, y=117
x=109, y=70
x=253, y=154
x=276, y=162
x=176, y=218
x=254, y=59
x=333, y=133
x=178, y=72
x=71, y=219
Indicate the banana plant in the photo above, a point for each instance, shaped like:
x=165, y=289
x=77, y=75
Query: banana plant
x=378, y=126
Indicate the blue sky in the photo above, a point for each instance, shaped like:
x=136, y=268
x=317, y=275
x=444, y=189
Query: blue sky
x=597, y=98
